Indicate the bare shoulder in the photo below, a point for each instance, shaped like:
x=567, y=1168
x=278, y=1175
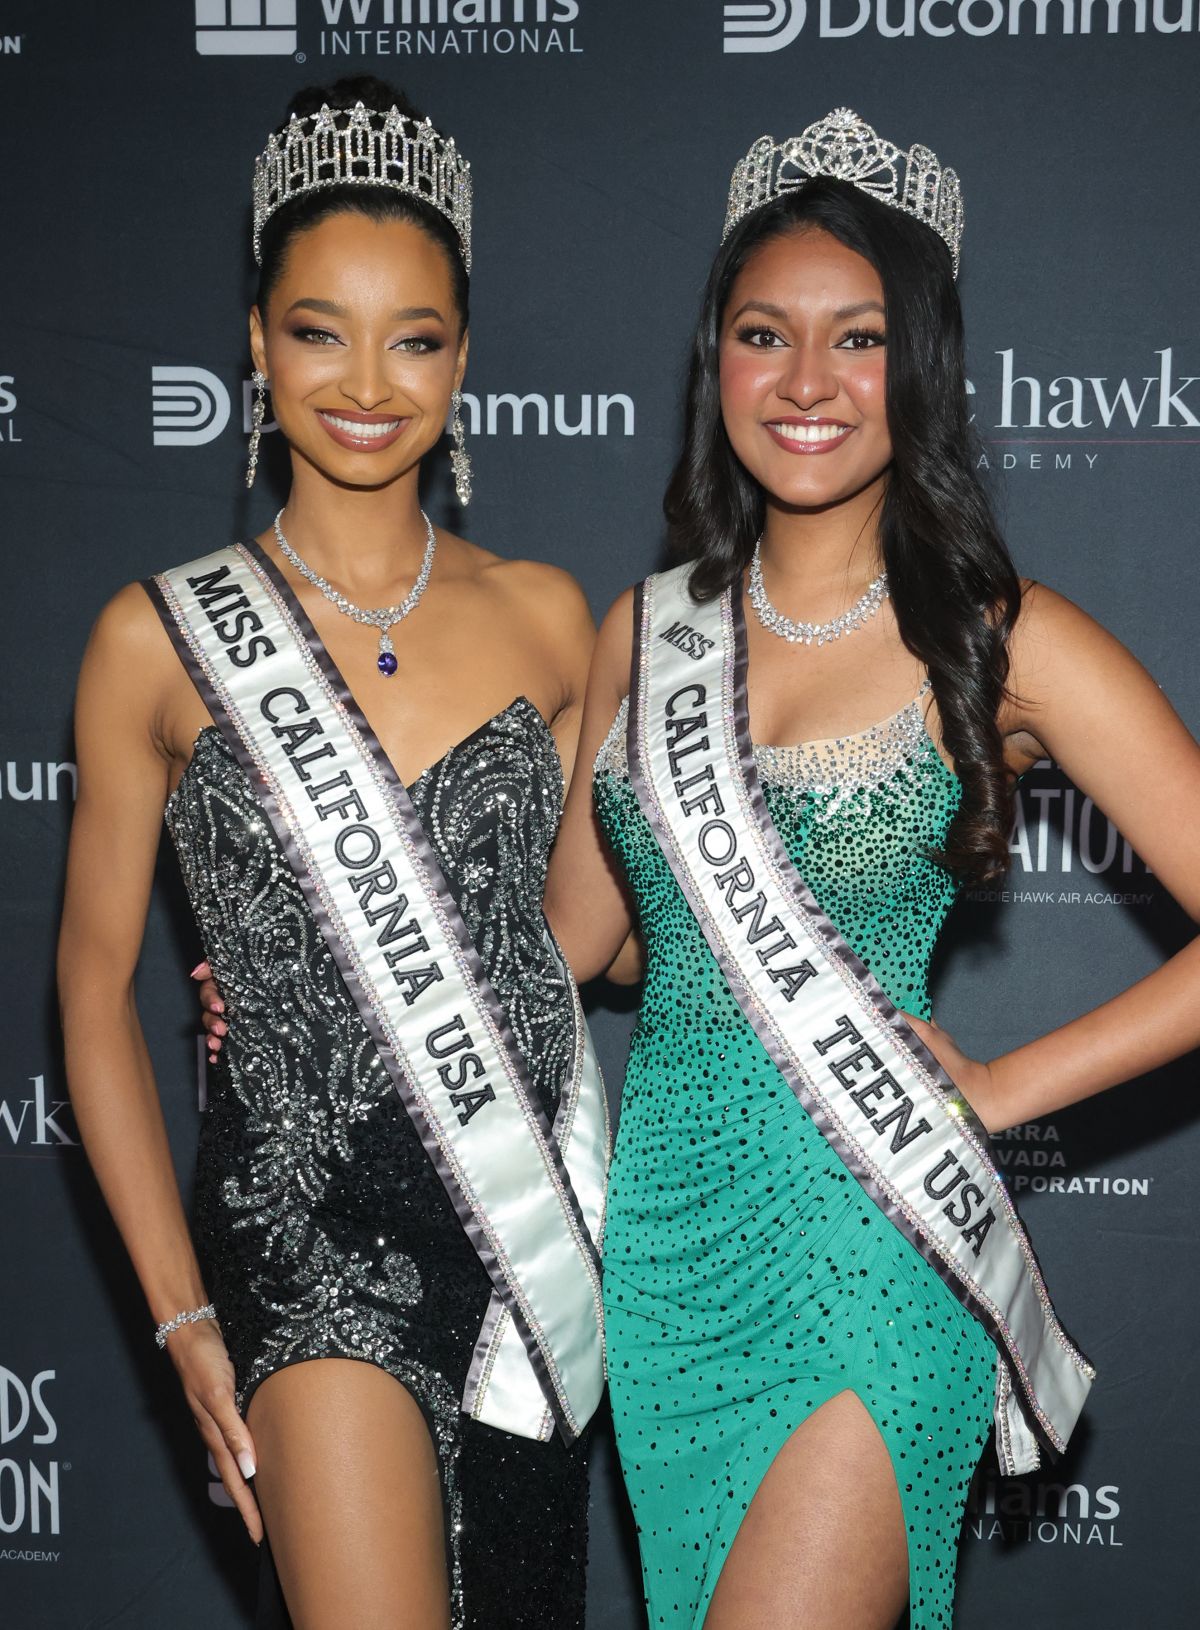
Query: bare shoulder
x=129, y=671
x=541, y=583
x=614, y=645
x=129, y=629
x=544, y=603
x=1057, y=643
x=528, y=581
x=1071, y=681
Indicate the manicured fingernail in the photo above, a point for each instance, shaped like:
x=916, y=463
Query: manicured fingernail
x=218, y=1006
x=195, y=973
x=246, y=1464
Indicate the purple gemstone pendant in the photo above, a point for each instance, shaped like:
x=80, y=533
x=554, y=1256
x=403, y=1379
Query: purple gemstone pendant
x=387, y=663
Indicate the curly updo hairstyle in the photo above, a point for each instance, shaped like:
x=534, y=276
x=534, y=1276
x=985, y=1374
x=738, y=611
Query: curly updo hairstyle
x=953, y=585
x=378, y=204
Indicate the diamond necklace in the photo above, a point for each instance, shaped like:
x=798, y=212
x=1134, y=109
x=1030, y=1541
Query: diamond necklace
x=807, y=633
x=387, y=616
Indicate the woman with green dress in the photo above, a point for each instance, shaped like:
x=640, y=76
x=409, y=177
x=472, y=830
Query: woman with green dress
x=817, y=1295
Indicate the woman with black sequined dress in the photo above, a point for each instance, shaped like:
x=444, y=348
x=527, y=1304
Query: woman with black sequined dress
x=348, y=1295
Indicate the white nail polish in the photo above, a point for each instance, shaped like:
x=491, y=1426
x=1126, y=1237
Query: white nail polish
x=246, y=1464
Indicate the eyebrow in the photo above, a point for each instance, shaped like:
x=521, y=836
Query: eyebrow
x=840, y=315
x=328, y=308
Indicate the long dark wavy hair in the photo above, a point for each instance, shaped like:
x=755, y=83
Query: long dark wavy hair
x=378, y=204
x=953, y=585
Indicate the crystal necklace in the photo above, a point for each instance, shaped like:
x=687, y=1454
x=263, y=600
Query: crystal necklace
x=807, y=633
x=387, y=616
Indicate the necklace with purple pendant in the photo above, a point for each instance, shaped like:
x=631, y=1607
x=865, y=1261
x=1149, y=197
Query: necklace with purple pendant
x=386, y=618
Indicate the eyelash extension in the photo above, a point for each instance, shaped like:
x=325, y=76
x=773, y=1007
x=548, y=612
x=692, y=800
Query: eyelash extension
x=313, y=334
x=428, y=341
x=865, y=334
x=747, y=331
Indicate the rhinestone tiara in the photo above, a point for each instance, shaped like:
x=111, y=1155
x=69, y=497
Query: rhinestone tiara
x=359, y=146
x=844, y=147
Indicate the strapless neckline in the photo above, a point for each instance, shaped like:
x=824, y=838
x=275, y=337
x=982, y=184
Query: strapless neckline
x=519, y=704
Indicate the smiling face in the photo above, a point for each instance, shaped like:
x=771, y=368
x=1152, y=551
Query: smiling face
x=362, y=346
x=802, y=349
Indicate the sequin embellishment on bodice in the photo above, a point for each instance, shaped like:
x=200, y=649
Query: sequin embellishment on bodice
x=324, y=1228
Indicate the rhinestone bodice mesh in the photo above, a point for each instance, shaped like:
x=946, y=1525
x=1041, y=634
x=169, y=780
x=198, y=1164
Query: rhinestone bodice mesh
x=863, y=816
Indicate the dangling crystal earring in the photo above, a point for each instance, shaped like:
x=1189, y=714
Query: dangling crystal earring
x=460, y=459
x=257, y=415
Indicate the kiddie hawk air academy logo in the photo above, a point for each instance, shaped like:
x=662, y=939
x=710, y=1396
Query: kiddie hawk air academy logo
x=34, y=1123
x=383, y=28
x=30, y=1484
x=770, y=25
x=1066, y=420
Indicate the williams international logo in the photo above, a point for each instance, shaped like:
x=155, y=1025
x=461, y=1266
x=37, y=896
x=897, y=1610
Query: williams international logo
x=191, y=406
x=1038, y=1513
x=29, y=1480
x=388, y=28
x=769, y=25
x=8, y=409
x=246, y=28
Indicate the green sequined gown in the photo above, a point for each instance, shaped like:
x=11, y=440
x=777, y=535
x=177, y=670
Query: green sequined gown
x=748, y=1278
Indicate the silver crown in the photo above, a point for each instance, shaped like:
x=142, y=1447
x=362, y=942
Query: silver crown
x=844, y=147
x=361, y=147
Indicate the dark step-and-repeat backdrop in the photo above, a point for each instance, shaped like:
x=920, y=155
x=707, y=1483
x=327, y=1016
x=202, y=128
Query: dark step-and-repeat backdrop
x=602, y=134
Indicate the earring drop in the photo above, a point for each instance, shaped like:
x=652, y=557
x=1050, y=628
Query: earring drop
x=257, y=415
x=460, y=459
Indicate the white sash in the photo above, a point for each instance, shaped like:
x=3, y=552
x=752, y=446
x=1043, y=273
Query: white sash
x=530, y=1197
x=869, y=1083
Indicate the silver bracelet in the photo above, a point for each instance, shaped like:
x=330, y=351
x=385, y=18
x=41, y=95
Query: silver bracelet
x=194, y=1317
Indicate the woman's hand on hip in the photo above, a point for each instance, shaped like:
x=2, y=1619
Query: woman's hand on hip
x=211, y=1007
x=972, y=1078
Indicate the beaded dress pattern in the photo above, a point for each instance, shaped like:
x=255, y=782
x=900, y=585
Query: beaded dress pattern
x=748, y=1277
x=324, y=1229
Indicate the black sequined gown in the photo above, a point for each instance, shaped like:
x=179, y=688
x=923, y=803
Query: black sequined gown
x=323, y=1227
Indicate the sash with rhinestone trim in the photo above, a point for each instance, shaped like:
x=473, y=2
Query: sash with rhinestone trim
x=530, y=1196
x=871, y=1086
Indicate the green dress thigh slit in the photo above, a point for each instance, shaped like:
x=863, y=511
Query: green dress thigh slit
x=748, y=1278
